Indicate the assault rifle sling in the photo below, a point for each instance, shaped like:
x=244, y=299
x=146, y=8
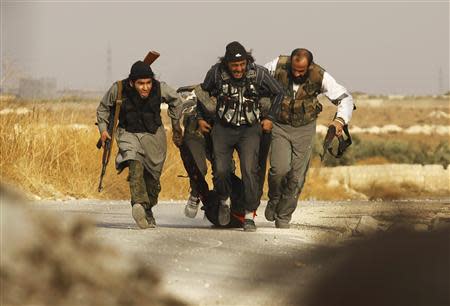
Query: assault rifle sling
x=112, y=129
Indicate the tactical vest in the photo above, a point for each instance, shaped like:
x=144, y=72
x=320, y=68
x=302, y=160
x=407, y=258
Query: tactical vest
x=138, y=117
x=190, y=119
x=302, y=107
x=237, y=102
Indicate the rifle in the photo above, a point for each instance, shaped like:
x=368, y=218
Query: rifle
x=113, y=122
x=112, y=128
x=343, y=143
x=151, y=57
x=187, y=88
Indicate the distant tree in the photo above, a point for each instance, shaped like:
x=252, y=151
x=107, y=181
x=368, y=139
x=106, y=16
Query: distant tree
x=10, y=73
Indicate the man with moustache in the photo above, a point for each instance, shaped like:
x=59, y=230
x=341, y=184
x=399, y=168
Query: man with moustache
x=295, y=127
x=141, y=137
x=237, y=84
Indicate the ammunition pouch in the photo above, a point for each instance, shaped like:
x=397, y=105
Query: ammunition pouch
x=238, y=103
x=227, y=108
x=298, y=112
x=251, y=110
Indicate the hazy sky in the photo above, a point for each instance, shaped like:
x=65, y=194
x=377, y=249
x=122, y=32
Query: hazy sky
x=371, y=46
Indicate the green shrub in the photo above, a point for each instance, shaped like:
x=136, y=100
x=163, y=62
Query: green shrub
x=397, y=151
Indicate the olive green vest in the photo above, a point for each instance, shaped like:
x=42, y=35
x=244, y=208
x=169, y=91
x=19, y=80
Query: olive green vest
x=304, y=107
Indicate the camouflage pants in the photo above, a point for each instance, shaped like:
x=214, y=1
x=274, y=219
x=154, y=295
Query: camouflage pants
x=144, y=188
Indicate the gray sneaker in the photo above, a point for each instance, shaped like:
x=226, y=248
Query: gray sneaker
x=139, y=215
x=224, y=212
x=249, y=225
x=191, y=208
x=269, y=212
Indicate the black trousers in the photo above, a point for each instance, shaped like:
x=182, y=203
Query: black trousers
x=197, y=144
x=246, y=141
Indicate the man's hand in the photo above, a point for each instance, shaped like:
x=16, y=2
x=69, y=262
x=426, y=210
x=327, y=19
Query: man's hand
x=266, y=125
x=177, y=135
x=339, y=125
x=204, y=126
x=104, y=137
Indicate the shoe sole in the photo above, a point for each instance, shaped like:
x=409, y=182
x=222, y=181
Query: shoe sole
x=282, y=225
x=224, y=215
x=249, y=227
x=138, y=213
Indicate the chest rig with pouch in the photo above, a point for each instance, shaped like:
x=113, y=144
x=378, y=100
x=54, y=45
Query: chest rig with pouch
x=237, y=101
x=300, y=107
x=141, y=115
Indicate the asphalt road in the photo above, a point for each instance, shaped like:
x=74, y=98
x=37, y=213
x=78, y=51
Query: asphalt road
x=209, y=266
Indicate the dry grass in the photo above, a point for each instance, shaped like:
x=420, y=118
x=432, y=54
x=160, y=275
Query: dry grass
x=50, y=152
x=317, y=188
x=386, y=191
x=403, y=113
x=44, y=153
x=47, y=156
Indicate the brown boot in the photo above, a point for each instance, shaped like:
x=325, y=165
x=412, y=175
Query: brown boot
x=139, y=215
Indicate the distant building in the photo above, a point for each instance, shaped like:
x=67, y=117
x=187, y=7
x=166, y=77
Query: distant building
x=44, y=88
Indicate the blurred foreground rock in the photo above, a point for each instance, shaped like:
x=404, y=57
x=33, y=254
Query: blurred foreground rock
x=440, y=222
x=49, y=262
x=367, y=225
x=396, y=268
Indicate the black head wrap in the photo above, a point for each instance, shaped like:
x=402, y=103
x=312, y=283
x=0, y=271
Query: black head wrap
x=140, y=70
x=235, y=52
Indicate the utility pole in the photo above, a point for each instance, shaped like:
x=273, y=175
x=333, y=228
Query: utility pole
x=108, y=66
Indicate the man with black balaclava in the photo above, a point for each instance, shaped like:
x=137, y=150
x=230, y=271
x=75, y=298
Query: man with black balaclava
x=237, y=84
x=295, y=127
x=141, y=137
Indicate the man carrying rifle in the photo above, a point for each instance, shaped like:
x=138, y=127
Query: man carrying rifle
x=141, y=137
x=295, y=126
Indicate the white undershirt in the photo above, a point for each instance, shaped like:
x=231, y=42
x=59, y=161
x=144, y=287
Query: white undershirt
x=330, y=88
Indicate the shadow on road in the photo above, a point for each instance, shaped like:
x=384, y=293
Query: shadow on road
x=400, y=268
x=117, y=225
